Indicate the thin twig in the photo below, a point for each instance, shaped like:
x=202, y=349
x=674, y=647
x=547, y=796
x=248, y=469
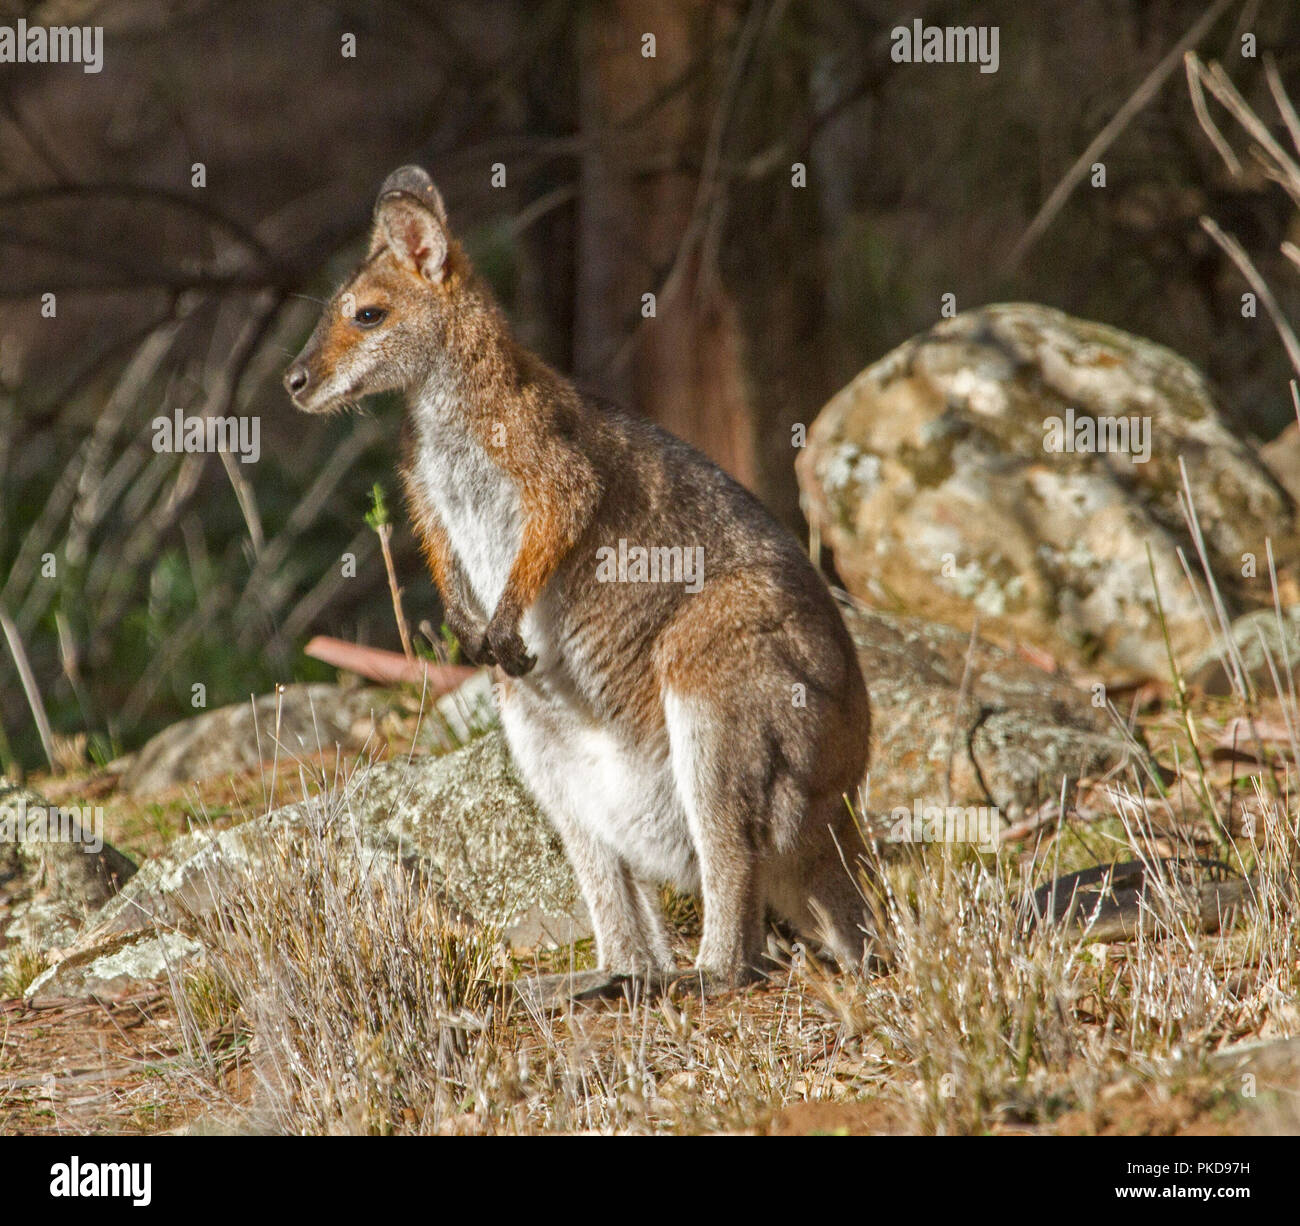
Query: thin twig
x=962, y=690
x=30, y=687
x=385, y=532
x=1147, y=90
x=1237, y=254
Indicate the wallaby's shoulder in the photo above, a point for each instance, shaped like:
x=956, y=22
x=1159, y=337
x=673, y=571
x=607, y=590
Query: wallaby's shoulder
x=691, y=487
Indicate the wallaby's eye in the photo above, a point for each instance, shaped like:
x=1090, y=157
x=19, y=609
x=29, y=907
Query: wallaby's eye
x=368, y=317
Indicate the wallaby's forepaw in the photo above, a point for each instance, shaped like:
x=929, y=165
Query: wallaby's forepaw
x=471, y=635
x=508, y=649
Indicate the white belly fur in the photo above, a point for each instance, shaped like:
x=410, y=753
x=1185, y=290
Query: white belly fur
x=623, y=794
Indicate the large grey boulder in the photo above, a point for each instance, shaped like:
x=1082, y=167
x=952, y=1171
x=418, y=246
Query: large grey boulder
x=954, y=478
x=298, y=720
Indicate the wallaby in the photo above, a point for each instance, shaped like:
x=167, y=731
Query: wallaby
x=677, y=688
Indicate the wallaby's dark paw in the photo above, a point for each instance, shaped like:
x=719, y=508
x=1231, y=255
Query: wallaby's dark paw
x=509, y=651
x=471, y=636
x=475, y=647
x=551, y=993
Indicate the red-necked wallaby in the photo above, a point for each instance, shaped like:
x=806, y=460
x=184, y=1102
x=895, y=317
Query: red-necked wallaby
x=679, y=691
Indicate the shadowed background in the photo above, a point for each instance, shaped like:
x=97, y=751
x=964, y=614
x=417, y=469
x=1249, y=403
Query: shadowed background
x=623, y=175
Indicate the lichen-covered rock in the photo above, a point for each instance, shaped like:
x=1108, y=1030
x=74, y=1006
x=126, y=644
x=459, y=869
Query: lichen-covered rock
x=1015, y=464
x=1266, y=643
x=462, y=821
x=55, y=868
x=304, y=719
x=115, y=967
x=1282, y=456
x=1017, y=732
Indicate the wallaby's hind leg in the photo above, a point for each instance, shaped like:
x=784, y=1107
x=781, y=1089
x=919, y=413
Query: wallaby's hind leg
x=765, y=727
x=718, y=789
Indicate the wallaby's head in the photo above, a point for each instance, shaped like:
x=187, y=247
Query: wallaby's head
x=383, y=328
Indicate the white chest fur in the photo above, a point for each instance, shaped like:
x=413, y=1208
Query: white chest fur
x=476, y=501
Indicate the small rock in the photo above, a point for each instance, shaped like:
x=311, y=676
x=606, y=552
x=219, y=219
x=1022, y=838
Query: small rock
x=1282, y=456
x=64, y=869
x=1258, y=641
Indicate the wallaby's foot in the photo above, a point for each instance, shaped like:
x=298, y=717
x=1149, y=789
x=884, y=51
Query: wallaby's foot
x=694, y=981
x=550, y=993
x=716, y=983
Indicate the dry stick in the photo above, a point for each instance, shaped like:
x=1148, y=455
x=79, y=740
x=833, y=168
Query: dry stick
x=1282, y=636
x=1237, y=254
x=385, y=532
x=1208, y=126
x=229, y=378
x=1147, y=90
x=29, y=685
x=1282, y=100
x=1284, y=170
x=247, y=502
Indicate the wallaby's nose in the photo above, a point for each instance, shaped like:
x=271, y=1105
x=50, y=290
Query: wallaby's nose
x=296, y=378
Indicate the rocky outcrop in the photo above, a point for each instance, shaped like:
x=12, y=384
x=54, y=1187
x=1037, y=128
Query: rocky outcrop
x=1015, y=734
x=461, y=822
x=302, y=719
x=1016, y=464
x=55, y=866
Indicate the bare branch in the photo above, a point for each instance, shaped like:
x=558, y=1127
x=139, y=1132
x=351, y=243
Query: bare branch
x=1147, y=90
x=1235, y=252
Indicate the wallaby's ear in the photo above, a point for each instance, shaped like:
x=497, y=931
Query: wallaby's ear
x=411, y=220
